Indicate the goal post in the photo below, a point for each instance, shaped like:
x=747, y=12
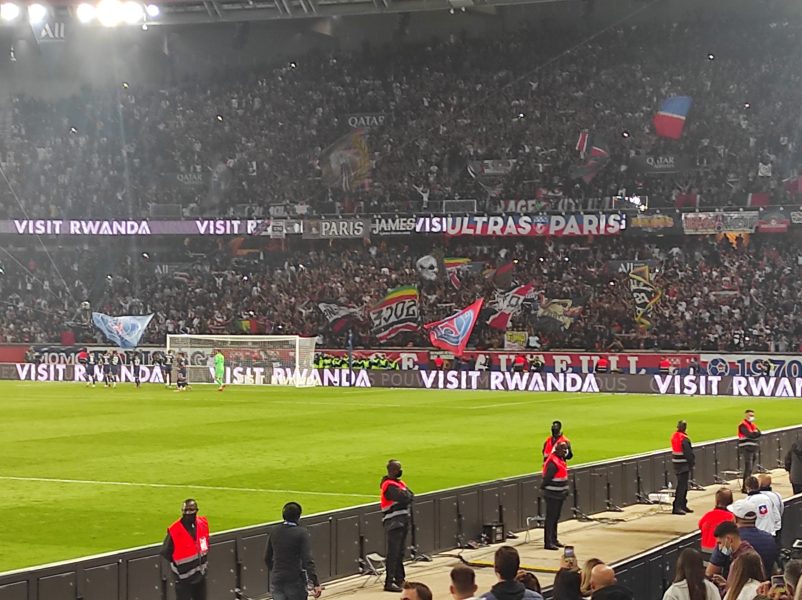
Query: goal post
x=250, y=359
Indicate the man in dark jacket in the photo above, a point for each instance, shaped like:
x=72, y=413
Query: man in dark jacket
x=396, y=500
x=793, y=464
x=748, y=445
x=289, y=558
x=506, y=564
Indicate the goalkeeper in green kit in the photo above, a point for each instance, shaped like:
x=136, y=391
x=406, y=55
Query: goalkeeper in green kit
x=219, y=369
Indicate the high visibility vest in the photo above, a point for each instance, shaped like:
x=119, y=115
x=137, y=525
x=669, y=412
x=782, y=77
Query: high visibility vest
x=745, y=442
x=603, y=364
x=388, y=507
x=519, y=361
x=677, y=455
x=665, y=366
x=559, y=484
x=189, y=555
x=548, y=447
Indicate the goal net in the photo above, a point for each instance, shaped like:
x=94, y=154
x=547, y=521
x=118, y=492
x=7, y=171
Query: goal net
x=249, y=359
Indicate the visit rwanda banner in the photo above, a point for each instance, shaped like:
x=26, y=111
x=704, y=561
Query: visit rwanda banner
x=395, y=313
x=125, y=331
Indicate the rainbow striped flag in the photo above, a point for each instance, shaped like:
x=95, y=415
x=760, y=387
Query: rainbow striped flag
x=395, y=313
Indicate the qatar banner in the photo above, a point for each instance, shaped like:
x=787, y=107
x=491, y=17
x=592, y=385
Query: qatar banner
x=573, y=362
x=525, y=225
x=782, y=365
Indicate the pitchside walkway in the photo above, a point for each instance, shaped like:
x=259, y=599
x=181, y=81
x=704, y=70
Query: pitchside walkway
x=644, y=527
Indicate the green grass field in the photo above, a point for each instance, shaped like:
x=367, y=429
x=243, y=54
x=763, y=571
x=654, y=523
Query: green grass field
x=126, y=458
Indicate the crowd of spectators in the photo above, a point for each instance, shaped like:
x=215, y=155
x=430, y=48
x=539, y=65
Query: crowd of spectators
x=245, y=140
x=717, y=294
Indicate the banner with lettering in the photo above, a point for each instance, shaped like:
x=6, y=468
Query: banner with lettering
x=645, y=294
x=397, y=312
x=704, y=223
x=662, y=164
x=142, y=227
x=332, y=229
x=515, y=340
x=579, y=224
x=186, y=180
x=365, y=120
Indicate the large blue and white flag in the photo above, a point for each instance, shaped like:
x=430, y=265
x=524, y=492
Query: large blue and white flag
x=125, y=331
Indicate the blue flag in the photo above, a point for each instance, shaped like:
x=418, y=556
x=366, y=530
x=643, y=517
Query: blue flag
x=453, y=333
x=124, y=331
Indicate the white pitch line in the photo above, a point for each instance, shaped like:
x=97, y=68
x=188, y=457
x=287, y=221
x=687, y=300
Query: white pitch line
x=532, y=401
x=337, y=404
x=182, y=486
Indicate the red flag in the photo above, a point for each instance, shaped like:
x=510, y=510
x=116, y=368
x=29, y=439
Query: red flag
x=686, y=199
x=453, y=333
x=507, y=305
x=757, y=199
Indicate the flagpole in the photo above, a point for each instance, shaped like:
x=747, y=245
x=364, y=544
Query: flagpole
x=350, y=354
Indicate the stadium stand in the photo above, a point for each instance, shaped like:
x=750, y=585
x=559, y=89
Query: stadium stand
x=717, y=296
x=446, y=102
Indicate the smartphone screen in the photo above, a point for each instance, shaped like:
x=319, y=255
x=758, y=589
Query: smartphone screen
x=569, y=552
x=777, y=581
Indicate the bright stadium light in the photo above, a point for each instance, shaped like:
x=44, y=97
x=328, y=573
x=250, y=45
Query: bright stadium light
x=152, y=10
x=85, y=13
x=9, y=11
x=133, y=12
x=109, y=13
x=36, y=14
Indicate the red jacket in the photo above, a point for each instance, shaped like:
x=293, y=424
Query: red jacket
x=708, y=524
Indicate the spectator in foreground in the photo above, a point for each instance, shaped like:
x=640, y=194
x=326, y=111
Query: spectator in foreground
x=463, y=583
x=745, y=577
x=689, y=580
x=792, y=575
x=737, y=538
x=586, y=569
x=711, y=519
x=777, y=505
x=414, y=590
x=567, y=585
x=529, y=580
x=761, y=505
x=289, y=558
x=605, y=586
x=793, y=464
x=507, y=563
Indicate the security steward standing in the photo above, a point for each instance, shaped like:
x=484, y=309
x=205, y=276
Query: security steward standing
x=664, y=366
x=556, y=438
x=555, y=491
x=519, y=363
x=602, y=365
x=186, y=547
x=748, y=436
x=396, y=500
x=683, y=459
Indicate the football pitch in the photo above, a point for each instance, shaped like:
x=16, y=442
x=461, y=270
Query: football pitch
x=89, y=470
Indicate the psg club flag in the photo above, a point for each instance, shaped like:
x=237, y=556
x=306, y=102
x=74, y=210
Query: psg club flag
x=453, y=333
x=124, y=331
x=670, y=119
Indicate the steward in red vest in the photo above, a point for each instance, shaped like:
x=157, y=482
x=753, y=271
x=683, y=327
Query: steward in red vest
x=665, y=366
x=682, y=458
x=396, y=506
x=555, y=438
x=186, y=547
x=519, y=363
x=555, y=491
x=602, y=365
x=748, y=436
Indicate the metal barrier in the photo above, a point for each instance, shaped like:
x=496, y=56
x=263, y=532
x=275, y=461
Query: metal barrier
x=341, y=537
